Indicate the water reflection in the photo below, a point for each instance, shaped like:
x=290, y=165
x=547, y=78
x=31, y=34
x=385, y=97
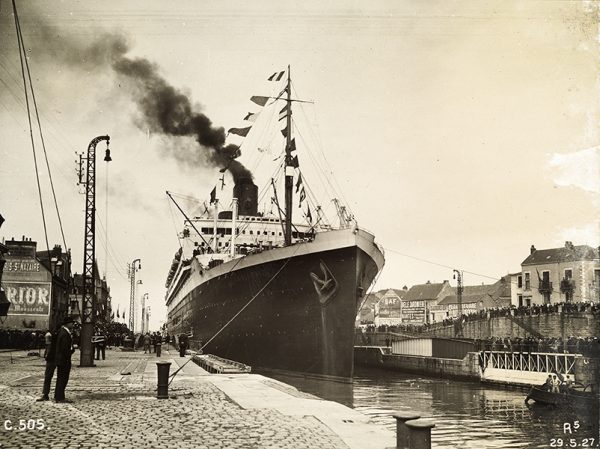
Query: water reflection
x=467, y=414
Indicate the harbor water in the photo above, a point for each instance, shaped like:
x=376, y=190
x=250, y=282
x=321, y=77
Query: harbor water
x=467, y=414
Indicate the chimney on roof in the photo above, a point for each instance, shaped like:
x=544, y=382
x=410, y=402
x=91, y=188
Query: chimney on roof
x=532, y=249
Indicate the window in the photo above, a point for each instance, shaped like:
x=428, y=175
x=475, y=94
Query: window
x=520, y=298
x=527, y=281
x=520, y=281
x=569, y=274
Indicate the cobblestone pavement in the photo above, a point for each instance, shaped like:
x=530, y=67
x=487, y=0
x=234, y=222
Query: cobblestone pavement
x=116, y=410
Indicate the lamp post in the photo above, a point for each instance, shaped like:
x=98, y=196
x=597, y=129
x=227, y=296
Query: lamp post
x=140, y=325
x=131, y=269
x=148, y=319
x=88, y=300
x=144, y=328
x=459, y=292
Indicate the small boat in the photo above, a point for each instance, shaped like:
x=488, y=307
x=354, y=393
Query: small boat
x=570, y=396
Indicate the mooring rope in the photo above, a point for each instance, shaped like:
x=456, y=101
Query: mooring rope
x=172, y=376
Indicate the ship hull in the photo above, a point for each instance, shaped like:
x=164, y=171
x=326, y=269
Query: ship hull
x=294, y=311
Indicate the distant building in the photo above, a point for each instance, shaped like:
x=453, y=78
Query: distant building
x=36, y=284
x=419, y=305
x=366, y=314
x=476, y=298
x=103, y=308
x=388, y=310
x=570, y=274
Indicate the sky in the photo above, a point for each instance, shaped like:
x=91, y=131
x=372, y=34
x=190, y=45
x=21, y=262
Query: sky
x=459, y=133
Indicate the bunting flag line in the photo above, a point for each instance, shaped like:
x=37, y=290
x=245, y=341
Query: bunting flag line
x=294, y=162
x=299, y=182
x=309, y=215
x=261, y=101
x=213, y=195
x=283, y=113
x=240, y=131
x=302, y=197
x=276, y=76
x=284, y=131
x=251, y=117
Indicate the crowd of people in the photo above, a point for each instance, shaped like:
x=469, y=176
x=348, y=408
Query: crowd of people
x=534, y=310
x=114, y=334
x=589, y=346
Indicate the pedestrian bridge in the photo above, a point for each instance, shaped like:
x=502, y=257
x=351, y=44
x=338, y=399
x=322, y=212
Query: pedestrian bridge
x=535, y=362
x=519, y=367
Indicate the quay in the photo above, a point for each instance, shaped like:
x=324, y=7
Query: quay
x=457, y=360
x=115, y=406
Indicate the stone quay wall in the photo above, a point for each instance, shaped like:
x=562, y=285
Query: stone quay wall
x=549, y=325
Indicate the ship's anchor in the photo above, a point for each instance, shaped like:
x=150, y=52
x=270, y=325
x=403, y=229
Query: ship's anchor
x=326, y=287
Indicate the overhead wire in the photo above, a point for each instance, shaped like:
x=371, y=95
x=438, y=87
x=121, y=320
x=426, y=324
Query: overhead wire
x=37, y=176
x=494, y=278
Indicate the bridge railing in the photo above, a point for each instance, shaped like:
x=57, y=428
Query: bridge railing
x=541, y=362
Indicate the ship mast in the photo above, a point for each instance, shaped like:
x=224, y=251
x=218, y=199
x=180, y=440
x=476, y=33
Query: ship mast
x=289, y=169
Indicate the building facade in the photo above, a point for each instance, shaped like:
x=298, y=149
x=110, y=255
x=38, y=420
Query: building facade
x=388, y=310
x=567, y=274
x=102, y=306
x=420, y=304
x=36, y=285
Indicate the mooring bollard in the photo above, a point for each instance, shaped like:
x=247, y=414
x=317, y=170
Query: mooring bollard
x=419, y=433
x=401, y=429
x=163, y=380
x=158, y=346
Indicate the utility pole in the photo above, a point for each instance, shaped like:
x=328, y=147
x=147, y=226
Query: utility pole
x=144, y=329
x=88, y=301
x=131, y=269
x=459, y=292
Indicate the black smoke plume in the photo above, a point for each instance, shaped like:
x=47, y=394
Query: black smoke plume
x=163, y=108
x=168, y=111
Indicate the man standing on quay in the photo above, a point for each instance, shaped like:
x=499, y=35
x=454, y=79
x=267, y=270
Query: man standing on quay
x=62, y=359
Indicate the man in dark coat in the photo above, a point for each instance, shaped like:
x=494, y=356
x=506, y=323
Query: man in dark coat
x=183, y=344
x=62, y=359
x=49, y=355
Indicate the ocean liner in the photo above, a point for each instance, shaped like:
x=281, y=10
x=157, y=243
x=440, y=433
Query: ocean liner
x=264, y=289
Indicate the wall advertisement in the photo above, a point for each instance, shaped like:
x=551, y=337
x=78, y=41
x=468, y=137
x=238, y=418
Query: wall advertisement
x=28, y=298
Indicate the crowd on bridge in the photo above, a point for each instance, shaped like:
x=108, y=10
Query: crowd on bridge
x=589, y=346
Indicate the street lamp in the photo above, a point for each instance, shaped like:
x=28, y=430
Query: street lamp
x=144, y=329
x=88, y=297
x=131, y=269
x=459, y=291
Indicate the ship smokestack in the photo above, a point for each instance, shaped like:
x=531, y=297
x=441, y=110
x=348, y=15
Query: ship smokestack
x=247, y=194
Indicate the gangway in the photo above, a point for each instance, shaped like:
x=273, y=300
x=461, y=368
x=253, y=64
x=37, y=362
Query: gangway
x=219, y=365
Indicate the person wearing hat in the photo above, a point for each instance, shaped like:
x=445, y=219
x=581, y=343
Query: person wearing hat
x=62, y=359
x=49, y=355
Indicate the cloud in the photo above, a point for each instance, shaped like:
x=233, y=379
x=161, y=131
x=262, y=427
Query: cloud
x=579, y=169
